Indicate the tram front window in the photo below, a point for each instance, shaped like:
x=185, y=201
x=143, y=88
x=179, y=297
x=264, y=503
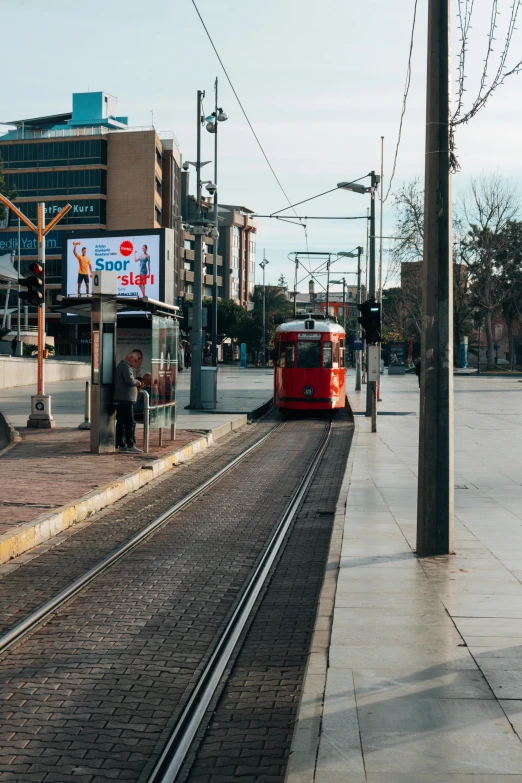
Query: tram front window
x=308, y=355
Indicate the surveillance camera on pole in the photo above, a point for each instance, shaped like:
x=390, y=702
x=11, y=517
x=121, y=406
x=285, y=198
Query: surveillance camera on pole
x=211, y=187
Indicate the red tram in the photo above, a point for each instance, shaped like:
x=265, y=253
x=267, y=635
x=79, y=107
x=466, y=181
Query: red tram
x=309, y=364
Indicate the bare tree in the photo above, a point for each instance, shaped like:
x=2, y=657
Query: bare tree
x=489, y=210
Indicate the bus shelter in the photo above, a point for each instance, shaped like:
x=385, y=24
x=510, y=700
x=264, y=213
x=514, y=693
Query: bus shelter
x=119, y=326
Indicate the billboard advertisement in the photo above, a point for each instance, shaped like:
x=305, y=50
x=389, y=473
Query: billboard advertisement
x=136, y=259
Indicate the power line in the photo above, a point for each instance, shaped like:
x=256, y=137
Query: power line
x=244, y=112
x=405, y=99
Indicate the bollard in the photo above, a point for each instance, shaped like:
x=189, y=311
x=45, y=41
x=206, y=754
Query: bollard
x=374, y=405
x=86, y=423
x=145, y=421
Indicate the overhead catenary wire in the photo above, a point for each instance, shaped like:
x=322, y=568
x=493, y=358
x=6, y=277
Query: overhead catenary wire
x=245, y=114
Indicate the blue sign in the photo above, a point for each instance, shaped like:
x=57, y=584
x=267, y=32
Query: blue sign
x=357, y=345
x=243, y=356
x=29, y=243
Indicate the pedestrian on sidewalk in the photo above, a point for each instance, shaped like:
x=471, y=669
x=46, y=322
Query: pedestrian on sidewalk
x=418, y=369
x=126, y=387
x=14, y=345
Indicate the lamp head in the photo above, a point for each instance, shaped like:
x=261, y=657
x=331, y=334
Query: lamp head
x=355, y=187
x=221, y=116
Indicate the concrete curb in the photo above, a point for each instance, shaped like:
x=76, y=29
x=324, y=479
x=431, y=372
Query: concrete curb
x=307, y=730
x=44, y=527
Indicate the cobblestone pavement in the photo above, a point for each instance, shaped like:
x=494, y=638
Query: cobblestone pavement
x=248, y=739
x=88, y=696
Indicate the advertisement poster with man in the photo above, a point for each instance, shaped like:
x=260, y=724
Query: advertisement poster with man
x=136, y=259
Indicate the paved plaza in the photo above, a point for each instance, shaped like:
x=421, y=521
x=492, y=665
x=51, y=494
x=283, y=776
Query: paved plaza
x=423, y=659
x=239, y=392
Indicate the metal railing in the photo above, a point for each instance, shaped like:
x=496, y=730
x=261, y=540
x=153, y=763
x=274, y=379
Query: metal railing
x=147, y=408
x=28, y=134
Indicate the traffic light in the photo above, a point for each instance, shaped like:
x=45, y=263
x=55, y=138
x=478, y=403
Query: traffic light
x=34, y=284
x=370, y=320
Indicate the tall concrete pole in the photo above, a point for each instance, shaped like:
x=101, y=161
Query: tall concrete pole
x=371, y=276
x=196, y=336
x=215, y=246
x=359, y=331
x=436, y=484
x=344, y=307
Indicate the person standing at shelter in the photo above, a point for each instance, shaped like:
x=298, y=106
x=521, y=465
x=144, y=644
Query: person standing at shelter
x=126, y=387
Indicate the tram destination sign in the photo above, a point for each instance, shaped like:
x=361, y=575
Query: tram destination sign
x=308, y=336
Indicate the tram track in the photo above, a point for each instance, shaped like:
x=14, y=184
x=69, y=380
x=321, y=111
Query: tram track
x=101, y=672
x=184, y=731
x=16, y=634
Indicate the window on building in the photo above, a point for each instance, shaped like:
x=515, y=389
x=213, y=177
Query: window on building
x=157, y=213
x=188, y=244
x=158, y=186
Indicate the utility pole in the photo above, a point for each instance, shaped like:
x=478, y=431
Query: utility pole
x=295, y=286
x=359, y=331
x=197, y=310
x=344, y=308
x=375, y=179
x=327, y=286
x=435, y=506
x=263, y=264
x=216, y=238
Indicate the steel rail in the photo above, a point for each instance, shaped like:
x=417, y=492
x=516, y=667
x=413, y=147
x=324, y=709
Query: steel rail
x=36, y=618
x=171, y=760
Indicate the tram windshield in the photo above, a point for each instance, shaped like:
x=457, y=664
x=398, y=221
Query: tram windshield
x=308, y=354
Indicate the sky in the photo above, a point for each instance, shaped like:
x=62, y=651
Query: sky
x=321, y=83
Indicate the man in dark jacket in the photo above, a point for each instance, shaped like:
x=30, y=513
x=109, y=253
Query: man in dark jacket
x=126, y=387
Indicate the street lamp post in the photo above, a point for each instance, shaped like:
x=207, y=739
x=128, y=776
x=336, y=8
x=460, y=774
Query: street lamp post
x=212, y=126
x=263, y=264
x=197, y=310
x=355, y=187
x=359, y=332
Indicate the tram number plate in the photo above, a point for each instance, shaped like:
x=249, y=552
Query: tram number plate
x=308, y=336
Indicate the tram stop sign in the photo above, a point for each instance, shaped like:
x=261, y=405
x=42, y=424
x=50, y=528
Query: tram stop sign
x=357, y=345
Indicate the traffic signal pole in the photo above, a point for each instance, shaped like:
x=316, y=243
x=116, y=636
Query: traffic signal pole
x=40, y=416
x=435, y=504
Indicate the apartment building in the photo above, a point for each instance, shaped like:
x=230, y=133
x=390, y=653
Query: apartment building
x=116, y=177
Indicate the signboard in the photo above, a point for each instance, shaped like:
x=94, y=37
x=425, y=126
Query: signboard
x=135, y=259
x=308, y=336
x=396, y=355
x=357, y=345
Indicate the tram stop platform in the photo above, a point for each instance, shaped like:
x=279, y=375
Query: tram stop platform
x=415, y=673
x=50, y=480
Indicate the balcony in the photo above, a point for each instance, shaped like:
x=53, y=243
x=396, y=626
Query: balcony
x=189, y=254
x=209, y=280
x=188, y=275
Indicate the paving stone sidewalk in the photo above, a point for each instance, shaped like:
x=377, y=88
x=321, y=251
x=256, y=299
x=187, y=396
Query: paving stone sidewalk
x=424, y=657
x=50, y=468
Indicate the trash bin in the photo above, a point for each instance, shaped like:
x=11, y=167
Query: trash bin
x=208, y=388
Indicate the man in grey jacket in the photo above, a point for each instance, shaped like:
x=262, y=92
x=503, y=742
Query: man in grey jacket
x=126, y=387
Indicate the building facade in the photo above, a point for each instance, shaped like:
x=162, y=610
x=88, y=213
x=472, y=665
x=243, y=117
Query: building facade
x=114, y=176
x=236, y=259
